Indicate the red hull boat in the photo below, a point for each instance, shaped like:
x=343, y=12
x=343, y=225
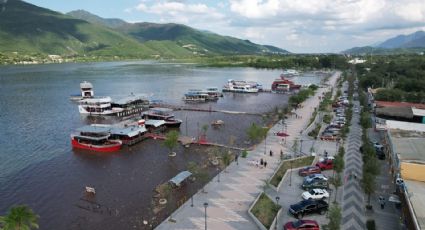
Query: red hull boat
x=98, y=144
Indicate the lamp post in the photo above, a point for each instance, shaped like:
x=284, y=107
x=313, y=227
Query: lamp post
x=290, y=173
x=218, y=177
x=277, y=217
x=301, y=146
x=205, y=205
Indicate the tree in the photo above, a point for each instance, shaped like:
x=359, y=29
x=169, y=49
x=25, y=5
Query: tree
x=192, y=167
x=295, y=146
x=254, y=132
x=338, y=163
x=171, y=140
x=368, y=185
x=334, y=217
x=203, y=177
x=226, y=158
x=336, y=181
x=20, y=217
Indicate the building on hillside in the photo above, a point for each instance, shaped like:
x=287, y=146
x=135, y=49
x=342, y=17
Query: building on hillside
x=405, y=150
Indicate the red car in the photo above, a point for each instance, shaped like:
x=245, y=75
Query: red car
x=308, y=170
x=302, y=225
x=325, y=164
x=328, y=137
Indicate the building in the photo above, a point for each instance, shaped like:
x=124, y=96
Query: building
x=406, y=153
x=400, y=111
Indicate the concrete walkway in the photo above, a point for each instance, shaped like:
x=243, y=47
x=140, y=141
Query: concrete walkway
x=353, y=203
x=229, y=199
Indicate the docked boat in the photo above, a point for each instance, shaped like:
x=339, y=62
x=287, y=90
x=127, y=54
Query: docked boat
x=241, y=87
x=196, y=96
x=214, y=92
x=99, y=106
x=86, y=89
x=130, y=105
x=95, y=141
x=284, y=85
x=162, y=114
x=289, y=73
x=217, y=123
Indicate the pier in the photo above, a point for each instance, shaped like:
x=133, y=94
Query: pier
x=210, y=110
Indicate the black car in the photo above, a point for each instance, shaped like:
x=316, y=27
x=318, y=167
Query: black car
x=308, y=207
x=380, y=154
x=307, y=185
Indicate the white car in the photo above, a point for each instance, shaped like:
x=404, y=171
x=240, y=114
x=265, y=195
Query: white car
x=356, y=110
x=315, y=194
x=377, y=145
x=316, y=176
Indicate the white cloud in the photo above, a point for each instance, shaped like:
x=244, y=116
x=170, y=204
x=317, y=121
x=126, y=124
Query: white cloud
x=296, y=25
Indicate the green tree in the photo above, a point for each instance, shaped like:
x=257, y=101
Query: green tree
x=334, y=217
x=203, y=178
x=336, y=181
x=295, y=146
x=368, y=185
x=254, y=132
x=226, y=157
x=19, y=217
x=171, y=140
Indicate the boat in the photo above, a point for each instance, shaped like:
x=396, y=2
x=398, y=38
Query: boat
x=241, y=86
x=214, y=92
x=86, y=91
x=130, y=105
x=196, y=95
x=217, y=123
x=162, y=114
x=95, y=141
x=99, y=106
x=289, y=73
x=284, y=85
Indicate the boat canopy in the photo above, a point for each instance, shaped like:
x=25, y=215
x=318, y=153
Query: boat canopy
x=177, y=180
x=131, y=99
x=161, y=110
x=129, y=131
x=154, y=123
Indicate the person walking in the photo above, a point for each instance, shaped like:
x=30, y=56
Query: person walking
x=265, y=164
x=281, y=154
x=236, y=158
x=271, y=153
x=261, y=161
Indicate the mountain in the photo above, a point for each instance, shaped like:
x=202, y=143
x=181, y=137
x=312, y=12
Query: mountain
x=108, y=22
x=196, y=41
x=416, y=39
x=411, y=43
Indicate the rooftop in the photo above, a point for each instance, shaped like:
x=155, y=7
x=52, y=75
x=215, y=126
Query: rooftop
x=408, y=145
x=399, y=104
x=416, y=194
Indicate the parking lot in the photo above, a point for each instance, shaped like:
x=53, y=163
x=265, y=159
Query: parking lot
x=290, y=193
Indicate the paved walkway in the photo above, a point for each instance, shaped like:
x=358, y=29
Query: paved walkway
x=353, y=203
x=229, y=199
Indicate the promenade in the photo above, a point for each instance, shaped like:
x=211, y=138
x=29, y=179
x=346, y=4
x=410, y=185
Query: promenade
x=230, y=195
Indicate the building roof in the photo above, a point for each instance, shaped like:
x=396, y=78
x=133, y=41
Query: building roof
x=399, y=104
x=408, y=145
x=405, y=112
x=130, y=131
x=416, y=196
x=155, y=123
x=418, y=112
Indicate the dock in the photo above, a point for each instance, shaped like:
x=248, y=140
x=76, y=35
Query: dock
x=209, y=110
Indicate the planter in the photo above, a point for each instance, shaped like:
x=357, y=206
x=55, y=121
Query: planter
x=162, y=201
x=172, y=154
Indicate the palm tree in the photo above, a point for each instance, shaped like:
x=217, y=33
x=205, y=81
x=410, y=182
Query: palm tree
x=20, y=217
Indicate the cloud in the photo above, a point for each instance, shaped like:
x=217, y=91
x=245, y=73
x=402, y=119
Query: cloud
x=297, y=25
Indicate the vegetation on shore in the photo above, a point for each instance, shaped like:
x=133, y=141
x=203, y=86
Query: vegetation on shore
x=19, y=217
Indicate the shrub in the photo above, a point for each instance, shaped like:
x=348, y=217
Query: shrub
x=244, y=154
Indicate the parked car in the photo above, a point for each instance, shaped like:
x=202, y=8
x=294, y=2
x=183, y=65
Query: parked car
x=308, y=170
x=302, y=225
x=328, y=137
x=304, y=207
x=380, y=154
x=356, y=110
x=377, y=145
x=315, y=194
x=325, y=158
x=316, y=176
x=307, y=185
x=326, y=164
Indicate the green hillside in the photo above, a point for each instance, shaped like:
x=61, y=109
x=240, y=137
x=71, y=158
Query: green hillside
x=198, y=42
x=25, y=28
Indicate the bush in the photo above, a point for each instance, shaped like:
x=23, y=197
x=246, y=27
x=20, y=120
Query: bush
x=327, y=118
x=304, y=161
x=244, y=154
x=370, y=225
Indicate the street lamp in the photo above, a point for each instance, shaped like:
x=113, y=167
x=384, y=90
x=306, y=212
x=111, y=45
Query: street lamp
x=290, y=173
x=205, y=205
x=301, y=146
x=218, y=177
x=277, y=217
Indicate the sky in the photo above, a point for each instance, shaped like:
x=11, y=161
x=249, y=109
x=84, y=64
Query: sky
x=299, y=26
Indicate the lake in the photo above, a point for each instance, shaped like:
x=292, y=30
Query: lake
x=39, y=168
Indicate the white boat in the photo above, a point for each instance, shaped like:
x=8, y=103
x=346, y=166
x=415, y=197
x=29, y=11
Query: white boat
x=196, y=95
x=240, y=87
x=99, y=106
x=86, y=91
x=213, y=92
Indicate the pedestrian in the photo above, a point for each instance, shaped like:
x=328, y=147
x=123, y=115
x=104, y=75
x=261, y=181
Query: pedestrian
x=261, y=161
x=236, y=158
x=382, y=201
x=271, y=153
x=265, y=164
x=326, y=154
x=281, y=154
x=256, y=163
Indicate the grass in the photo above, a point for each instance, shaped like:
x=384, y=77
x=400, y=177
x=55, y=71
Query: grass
x=265, y=210
x=304, y=161
x=313, y=133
